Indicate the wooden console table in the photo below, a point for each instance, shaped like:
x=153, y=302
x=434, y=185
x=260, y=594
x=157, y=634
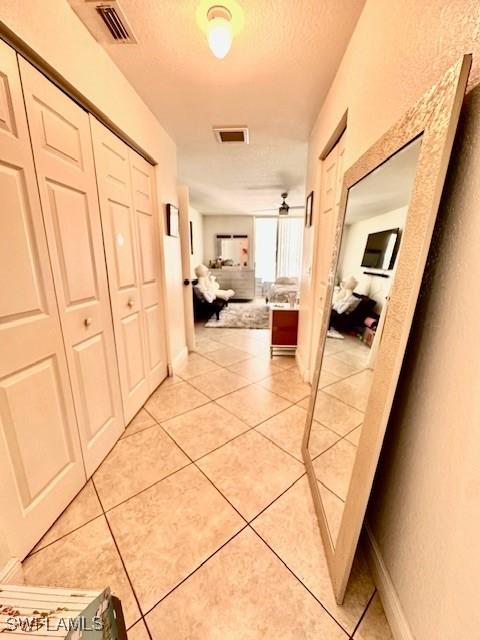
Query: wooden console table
x=283, y=328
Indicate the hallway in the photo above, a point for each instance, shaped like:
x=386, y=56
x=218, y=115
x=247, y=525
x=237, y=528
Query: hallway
x=195, y=517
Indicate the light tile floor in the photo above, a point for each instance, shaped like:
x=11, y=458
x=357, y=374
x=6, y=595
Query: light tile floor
x=341, y=401
x=201, y=519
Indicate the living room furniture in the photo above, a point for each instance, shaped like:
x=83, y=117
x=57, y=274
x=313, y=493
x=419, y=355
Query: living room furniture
x=283, y=328
x=202, y=309
x=350, y=321
x=283, y=290
x=240, y=279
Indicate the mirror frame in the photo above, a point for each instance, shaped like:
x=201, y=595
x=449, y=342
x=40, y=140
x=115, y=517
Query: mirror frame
x=435, y=117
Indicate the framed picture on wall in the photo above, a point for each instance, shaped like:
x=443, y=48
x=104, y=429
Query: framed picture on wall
x=309, y=210
x=191, y=237
x=172, y=221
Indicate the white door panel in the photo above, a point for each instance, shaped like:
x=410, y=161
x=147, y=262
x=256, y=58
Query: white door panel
x=330, y=193
x=63, y=158
x=114, y=186
x=144, y=206
x=41, y=467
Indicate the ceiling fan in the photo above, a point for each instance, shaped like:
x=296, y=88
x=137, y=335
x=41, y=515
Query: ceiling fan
x=284, y=208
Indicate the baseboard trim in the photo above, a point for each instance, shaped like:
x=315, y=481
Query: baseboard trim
x=388, y=594
x=181, y=356
x=12, y=572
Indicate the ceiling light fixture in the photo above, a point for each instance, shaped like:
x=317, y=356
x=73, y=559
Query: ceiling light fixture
x=219, y=30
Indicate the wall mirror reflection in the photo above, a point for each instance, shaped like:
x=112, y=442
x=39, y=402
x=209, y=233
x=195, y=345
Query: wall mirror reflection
x=371, y=239
x=233, y=250
x=383, y=229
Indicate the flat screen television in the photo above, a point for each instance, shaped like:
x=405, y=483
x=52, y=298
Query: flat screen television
x=381, y=249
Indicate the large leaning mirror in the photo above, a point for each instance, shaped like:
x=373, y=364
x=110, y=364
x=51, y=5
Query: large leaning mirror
x=385, y=222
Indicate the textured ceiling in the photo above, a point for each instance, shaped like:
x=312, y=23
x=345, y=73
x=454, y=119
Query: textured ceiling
x=274, y=80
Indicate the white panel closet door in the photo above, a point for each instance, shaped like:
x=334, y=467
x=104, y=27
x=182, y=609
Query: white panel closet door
x=144, y=206
x=118, y=221
x=63, y=157
x=41, y=466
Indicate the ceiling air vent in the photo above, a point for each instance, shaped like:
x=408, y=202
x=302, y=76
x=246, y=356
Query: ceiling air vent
x=229, y=135
x=105, y=20
x=113, y=22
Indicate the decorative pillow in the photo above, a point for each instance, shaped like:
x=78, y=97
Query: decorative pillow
x=348, y=305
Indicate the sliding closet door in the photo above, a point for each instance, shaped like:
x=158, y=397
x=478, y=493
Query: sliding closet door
x=144, y=206
x=114, y=187
x=41, y=466
x=63, y=156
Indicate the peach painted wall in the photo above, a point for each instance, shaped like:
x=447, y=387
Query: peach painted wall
x=53, y=30
x=425, y=507
x=4, y=552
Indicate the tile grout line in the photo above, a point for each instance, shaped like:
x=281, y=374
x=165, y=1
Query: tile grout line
x=224, y=394
x=181, y=412
x=272, y=502
x=224, y=346
x=193, y=461
x=150, y=486
x=204, y=455
x=280, y=495
x=248, y=522
x=202, y=472
x=105, y=510
x=298, y=580
x=34, y=550
x=123, y=563
x=370, y=600
x=289, y=453
x=34, y=553
x=249, y=383
x=342, y=378
x=235, y=416
x=214, y=485
x=333, y=445
x=291, y=404
x=189, y=575
x=324, y=389
x=226, y=367
x=246, y=525
x=238, y=435
x=341, y=437
x=331, y=491
x=250, y=428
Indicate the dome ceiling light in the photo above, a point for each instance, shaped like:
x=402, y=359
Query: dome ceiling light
x=219, y=30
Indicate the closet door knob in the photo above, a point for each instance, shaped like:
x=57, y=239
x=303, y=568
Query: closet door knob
x=131, y=302
x=87, y=322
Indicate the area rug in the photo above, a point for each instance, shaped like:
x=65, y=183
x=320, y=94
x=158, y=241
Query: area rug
x=242, y=315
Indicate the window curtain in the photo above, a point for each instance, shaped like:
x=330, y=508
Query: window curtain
x=265, y=248
x=289, y=247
